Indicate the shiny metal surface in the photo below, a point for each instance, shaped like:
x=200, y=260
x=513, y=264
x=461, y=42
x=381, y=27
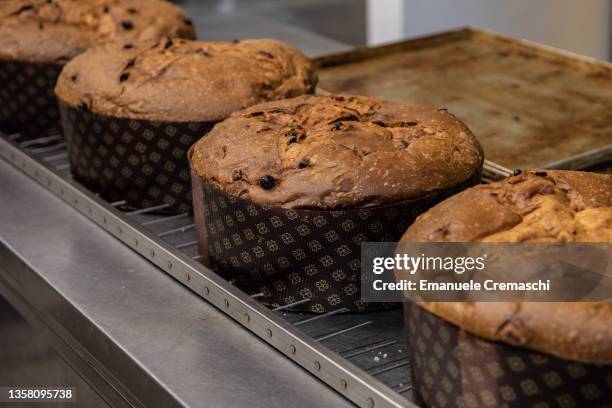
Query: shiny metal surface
x=243, y=25
x=315, y=27
x=27, y=359
x=153, y=341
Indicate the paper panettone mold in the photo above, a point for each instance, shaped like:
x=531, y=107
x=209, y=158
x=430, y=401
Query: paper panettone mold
x=294, y=254
x=27, y=102
x=453, y=368
x=139, y=161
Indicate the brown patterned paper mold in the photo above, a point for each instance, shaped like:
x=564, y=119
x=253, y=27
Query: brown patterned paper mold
x=38, y=37
x=453, y=368
x=130, y=114
x=27, y=101
x=141, y=162
x=285, y=192
x=294, y=254
x=516, y=354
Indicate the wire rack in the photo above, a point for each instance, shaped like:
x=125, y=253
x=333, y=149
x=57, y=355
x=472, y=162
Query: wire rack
x=371, y=346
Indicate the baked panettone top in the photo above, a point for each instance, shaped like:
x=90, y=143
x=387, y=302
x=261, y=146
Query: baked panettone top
x=330, y=152
x=54, y=31
x=183, y=81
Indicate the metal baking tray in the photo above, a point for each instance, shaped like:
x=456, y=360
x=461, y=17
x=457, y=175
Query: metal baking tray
x=529, y=105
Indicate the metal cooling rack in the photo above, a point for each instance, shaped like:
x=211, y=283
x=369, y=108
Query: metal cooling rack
x=362, y=356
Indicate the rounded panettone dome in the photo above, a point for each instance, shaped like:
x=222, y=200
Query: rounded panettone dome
x=182, y=80
x=54, y=31
x=330, y=152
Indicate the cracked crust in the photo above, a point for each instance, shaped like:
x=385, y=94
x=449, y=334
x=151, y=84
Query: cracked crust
x=182, y=80
x=328, y=152
x=54, y=31
x=536, y=206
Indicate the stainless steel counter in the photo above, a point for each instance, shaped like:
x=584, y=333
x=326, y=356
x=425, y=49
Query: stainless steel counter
x=134, y=334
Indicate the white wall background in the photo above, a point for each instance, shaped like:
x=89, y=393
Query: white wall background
x=582, y=26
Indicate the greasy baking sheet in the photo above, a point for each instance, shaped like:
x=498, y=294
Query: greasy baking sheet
x=529, y=105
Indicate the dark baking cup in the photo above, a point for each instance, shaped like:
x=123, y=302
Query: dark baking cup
x=290, y=255
x=139, y=161
x=452, y=368
x=27, y=100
